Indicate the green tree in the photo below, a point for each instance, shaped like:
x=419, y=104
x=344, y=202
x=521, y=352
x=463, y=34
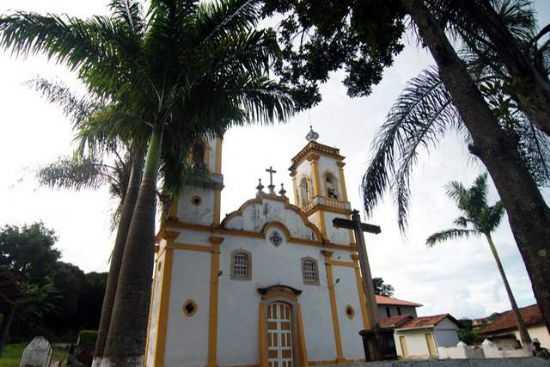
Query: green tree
x=381, y=288
x=185, y=70
x=479, y=219
x=363, y=37
x=27, y=261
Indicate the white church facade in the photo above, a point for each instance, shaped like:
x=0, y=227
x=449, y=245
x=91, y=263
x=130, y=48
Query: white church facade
x=273, y=284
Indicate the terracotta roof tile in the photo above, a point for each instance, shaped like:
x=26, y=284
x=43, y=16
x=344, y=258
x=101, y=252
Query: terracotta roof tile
x=383, y=300
x=427, y=321
x=507, y=321
x=394, y=321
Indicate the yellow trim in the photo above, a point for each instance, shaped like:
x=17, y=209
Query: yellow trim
x=301, y=336
x=217, y=207
x=348, y=264
x=189, y=247
x=328, y=209
x=218, y=169
x=235, y=232
x=333, y=307
x=296, y=191
x=322, y=223
x=315, y=148
x=431, y=344
x=343, y=187
x=361, y=292
x=404, y=349
x=164, y=306
x=315, y=170
x=262, y=338
x=214, y=288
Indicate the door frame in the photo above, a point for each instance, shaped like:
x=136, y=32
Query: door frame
x=288, y=295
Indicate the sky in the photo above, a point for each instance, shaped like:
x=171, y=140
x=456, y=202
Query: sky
x=459, y=277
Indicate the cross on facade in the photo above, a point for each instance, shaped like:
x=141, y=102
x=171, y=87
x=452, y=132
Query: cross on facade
x=358, y=228
x=271, y=186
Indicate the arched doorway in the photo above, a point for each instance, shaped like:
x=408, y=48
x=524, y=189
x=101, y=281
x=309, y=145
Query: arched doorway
x=280, y=338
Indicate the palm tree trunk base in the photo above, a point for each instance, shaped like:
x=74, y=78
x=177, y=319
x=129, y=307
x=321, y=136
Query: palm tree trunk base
x=97, y=362
x=136, y=361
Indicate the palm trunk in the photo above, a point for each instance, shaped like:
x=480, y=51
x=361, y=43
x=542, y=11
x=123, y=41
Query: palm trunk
x=524, y=335
x=118, y=250
x=530, y=87
x=6, y=324
x=527, y=211
x=125, y=345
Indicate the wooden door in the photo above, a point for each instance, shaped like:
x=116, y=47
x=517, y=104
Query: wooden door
x=404, y=350
x=279, y=335
x=431, y=345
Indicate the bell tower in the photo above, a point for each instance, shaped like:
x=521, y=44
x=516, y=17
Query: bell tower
x=199, y=201
x=319, y=184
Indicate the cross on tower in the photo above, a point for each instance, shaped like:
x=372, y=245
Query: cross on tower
x=271, y=186
x=358, y=228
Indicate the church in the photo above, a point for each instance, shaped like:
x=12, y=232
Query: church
x=273, y=284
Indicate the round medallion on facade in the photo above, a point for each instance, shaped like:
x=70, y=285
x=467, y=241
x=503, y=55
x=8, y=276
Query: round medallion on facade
x=196, y=200
x=189, y=308
x=350, y=312
x=276, y=239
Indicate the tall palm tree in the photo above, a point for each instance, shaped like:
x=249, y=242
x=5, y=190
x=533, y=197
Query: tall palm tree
x=528, y=212
x=479, y=219
x=425, y=112
x=184, y=70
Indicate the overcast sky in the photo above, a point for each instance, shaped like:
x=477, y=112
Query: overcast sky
x=459, y=277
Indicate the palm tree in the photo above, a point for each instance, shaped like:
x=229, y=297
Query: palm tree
x=481, y=26
x=479, y=219
x=184, y=70
x=528, y=212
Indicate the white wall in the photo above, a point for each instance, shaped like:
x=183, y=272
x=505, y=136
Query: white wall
x=416, y=343
x=445, y=334
x=346, y=294
x=187, y=337
x=539, y=332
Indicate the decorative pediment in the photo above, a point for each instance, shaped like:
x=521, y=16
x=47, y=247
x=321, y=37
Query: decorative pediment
x=266, y=211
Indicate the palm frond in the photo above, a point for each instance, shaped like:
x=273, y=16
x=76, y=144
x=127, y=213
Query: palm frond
x=422, y=114
x=75, y=107
x=461, y=222
x=74, y=174
x=450, y=234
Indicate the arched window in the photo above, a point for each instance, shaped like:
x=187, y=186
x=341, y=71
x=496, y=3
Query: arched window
x=331, y=185
x=241, y=265
x=305, y=192
x=310, y=271
x=198, y=154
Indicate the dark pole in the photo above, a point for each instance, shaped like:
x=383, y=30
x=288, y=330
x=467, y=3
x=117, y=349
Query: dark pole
x=368, y=285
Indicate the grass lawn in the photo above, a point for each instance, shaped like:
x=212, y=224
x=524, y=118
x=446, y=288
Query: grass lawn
x=12, y=355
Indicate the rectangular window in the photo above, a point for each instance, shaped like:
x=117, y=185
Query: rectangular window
x=388, y=312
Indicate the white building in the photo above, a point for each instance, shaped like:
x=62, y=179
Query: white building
x=420, y=338
x=504, y=333
x=273, y=284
